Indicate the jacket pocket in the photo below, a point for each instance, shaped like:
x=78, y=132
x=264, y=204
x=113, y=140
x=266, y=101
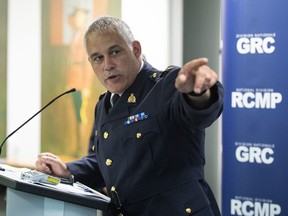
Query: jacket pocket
x=188, y=199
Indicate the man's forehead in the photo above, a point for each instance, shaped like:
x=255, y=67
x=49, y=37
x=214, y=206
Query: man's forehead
x=107, y=40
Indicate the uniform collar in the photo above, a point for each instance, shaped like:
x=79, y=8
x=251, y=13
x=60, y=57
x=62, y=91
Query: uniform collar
x=131, y=97
x=141, y=66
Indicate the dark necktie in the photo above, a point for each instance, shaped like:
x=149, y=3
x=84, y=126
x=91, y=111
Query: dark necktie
x=115, y=98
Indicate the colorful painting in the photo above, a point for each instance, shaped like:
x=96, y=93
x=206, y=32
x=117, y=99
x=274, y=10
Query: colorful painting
x=66, y=126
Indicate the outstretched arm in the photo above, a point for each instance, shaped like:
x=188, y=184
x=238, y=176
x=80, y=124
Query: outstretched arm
x=196, y=79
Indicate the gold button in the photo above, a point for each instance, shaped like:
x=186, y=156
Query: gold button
x=139, y=135
x=93, y=148
x=154, y=75
x=188, y=210
x=113, y=188
x=108, y=162
x=120, y=214
x=105, y=135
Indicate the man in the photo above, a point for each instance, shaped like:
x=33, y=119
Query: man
x=149, y=145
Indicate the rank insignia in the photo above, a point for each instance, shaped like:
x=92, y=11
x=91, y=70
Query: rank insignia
x=131, y=98
x=136, y=118
x=154, y=75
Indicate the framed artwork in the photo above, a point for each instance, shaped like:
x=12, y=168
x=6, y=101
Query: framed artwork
x=66, y=126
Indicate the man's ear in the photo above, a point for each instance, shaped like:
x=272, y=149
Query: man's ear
x=136, y=48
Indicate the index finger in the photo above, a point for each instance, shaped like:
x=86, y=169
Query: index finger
x=193, y=65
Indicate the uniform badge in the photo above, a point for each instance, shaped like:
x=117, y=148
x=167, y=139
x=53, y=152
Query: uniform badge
x=131, y=98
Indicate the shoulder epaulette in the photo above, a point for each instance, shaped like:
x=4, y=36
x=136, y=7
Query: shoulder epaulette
x=154, y=75
x=167, y=70
x=101, y=96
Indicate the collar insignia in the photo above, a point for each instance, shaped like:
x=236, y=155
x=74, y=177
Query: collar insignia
x=131, y=98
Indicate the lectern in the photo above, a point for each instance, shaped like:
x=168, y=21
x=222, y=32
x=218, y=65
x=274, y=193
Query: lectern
x=25, y=198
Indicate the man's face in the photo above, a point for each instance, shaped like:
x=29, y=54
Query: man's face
x=113, y=61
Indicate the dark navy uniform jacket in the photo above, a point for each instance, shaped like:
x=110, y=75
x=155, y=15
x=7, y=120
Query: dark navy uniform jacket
x=149, y=149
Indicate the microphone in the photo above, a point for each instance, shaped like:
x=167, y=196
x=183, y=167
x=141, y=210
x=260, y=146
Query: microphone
x=48, y=104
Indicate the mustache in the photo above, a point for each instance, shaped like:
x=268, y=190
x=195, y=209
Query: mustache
x=112, y=74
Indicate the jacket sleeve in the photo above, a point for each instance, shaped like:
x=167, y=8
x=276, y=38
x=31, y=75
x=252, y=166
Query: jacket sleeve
x=86, y=171
x=178, y=109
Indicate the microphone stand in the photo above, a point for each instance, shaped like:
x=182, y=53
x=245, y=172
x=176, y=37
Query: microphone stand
x=48, y=104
